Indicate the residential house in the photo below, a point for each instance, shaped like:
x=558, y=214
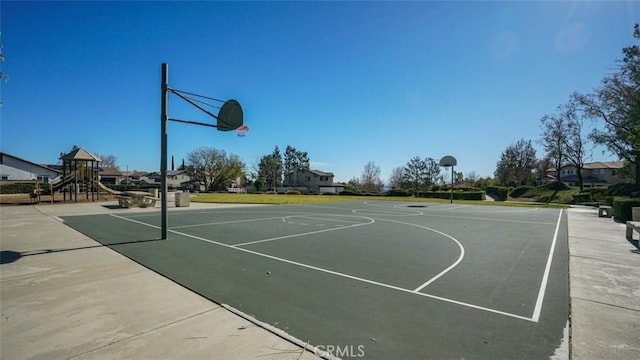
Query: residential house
x=110, y=176
x=313, y=180
x=593, y=174
x=15, y=169
x=176, y=178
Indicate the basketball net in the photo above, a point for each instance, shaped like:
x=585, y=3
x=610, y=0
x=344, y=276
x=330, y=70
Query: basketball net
x=242, y=131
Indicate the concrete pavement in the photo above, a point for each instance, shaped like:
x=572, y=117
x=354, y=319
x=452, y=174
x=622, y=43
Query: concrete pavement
x=604, y=271
x=64, y=296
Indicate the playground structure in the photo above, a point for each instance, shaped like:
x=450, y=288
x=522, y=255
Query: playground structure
x=80, y=175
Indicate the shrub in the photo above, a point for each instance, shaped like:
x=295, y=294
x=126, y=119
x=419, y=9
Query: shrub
x=349, y=192
x=397, y=192
x=18, y=188
x=582, y=198
x=459, y=195
x=598, y=193
x=622, y=208
x=622, y=189
x=556, y=185
x=519, y=191
x=500, y=192
x=293, y=192
x=371, y=194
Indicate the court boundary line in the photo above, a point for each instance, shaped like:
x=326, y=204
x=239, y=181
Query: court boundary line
x=335, y=273
x=303, y=234
x=443, y=272
x=537, y=310
x=225, y=222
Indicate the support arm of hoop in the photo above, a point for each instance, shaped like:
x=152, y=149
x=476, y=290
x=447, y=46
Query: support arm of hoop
x=194, y=104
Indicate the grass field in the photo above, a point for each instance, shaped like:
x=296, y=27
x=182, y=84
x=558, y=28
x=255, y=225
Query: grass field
x=276, y=199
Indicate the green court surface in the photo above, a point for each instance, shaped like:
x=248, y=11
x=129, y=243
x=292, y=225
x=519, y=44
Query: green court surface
x=378, y=280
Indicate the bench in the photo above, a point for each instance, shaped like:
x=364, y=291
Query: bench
x=130, y=199
x=34, y=197
x=606, y=211
x=632, y=225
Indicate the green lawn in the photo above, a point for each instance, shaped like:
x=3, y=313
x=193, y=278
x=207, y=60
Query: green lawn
x=274, y=199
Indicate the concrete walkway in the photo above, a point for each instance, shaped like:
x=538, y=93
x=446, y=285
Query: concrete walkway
x=64, y=296
x=604, y=271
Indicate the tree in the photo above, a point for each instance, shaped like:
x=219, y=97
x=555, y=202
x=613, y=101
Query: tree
x=617, y=104
x=371, y=181
x=108, y=160
x=420, y=174
x=575, y=141
x=270, y=169
x=432, y=171
x=553, y=141
x=396, y=179
x=353, y=184
x=214, y=168
x=516, y=163
x=415, y=173
x=542, y=166
x=295, y=160
x=472, y=177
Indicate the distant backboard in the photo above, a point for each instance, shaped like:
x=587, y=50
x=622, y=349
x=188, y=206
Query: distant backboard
x=230, y=116
x=448, y=161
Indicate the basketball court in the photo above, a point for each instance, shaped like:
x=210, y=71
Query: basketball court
x=372, y=279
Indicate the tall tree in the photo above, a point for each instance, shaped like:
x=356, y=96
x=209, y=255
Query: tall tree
x=420, y=174
x=270, y=169
x=213, y=167
x=371, y=181
x=516, y=163
x=396, y=179
x=542, y=166
x=354, y=184
x=108, y=160
x=472, y=177
x=415, y=173
x=432, y=168
x=617, y=104
x=553, y=137
x=295, y=160
x=575, y=141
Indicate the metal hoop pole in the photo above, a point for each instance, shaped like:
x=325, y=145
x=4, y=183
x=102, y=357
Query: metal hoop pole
x=164, y=109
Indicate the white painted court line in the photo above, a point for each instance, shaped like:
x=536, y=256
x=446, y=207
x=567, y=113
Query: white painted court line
x=324, y=219
x=338, y=273
x=134, y=221
x=303, y=234
x=490, y=219
x=460, y=257
x=225, y=222
x=543, y=286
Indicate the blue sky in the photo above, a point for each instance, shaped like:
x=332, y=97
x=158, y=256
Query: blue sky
x=348, y=82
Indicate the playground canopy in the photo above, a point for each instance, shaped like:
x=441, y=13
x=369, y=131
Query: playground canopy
x=80, y=170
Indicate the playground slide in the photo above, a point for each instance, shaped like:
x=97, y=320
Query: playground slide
x=108, y=189
x=63, y=182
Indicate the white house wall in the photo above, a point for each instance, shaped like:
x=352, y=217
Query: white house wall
x=14, y=170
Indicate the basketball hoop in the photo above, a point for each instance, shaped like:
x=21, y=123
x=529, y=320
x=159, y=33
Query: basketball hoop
x=242, y=130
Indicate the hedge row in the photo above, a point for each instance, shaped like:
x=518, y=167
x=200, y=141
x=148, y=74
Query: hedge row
x=519, y=191
x=500, y=192
x=582, y=198
x=457, y=195
x=16, y=188
x=622, y=208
